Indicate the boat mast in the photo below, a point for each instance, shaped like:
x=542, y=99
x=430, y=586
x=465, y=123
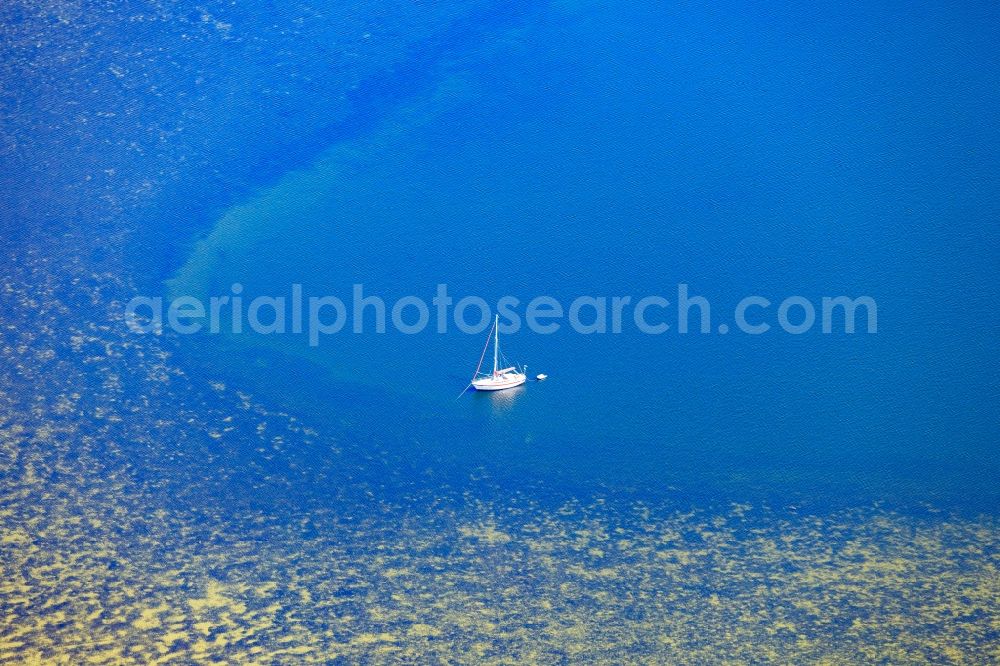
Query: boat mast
x=496, y=342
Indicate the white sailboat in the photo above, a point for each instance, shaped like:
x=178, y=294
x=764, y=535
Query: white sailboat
x=500, y=378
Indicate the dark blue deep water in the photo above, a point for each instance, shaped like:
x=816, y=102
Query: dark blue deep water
x=606, y=151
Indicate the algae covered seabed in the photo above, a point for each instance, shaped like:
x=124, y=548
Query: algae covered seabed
x=148, y=517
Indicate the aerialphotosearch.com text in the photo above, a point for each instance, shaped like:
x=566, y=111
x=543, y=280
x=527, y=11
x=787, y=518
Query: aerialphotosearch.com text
x=319, y=316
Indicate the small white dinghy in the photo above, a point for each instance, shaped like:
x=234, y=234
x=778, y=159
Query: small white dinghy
x=500, y=378
x=541, y=377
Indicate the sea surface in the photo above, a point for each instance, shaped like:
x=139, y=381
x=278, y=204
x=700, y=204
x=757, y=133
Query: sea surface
x=597, y=151
x=682, y=497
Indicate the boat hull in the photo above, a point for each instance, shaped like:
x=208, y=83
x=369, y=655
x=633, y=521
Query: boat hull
x=499, y=384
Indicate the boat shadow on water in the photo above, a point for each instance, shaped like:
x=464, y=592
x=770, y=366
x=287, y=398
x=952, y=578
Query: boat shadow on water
x=500, y=402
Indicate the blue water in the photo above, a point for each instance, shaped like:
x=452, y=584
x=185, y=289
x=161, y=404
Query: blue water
x=593, y=150
x=696, y=497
